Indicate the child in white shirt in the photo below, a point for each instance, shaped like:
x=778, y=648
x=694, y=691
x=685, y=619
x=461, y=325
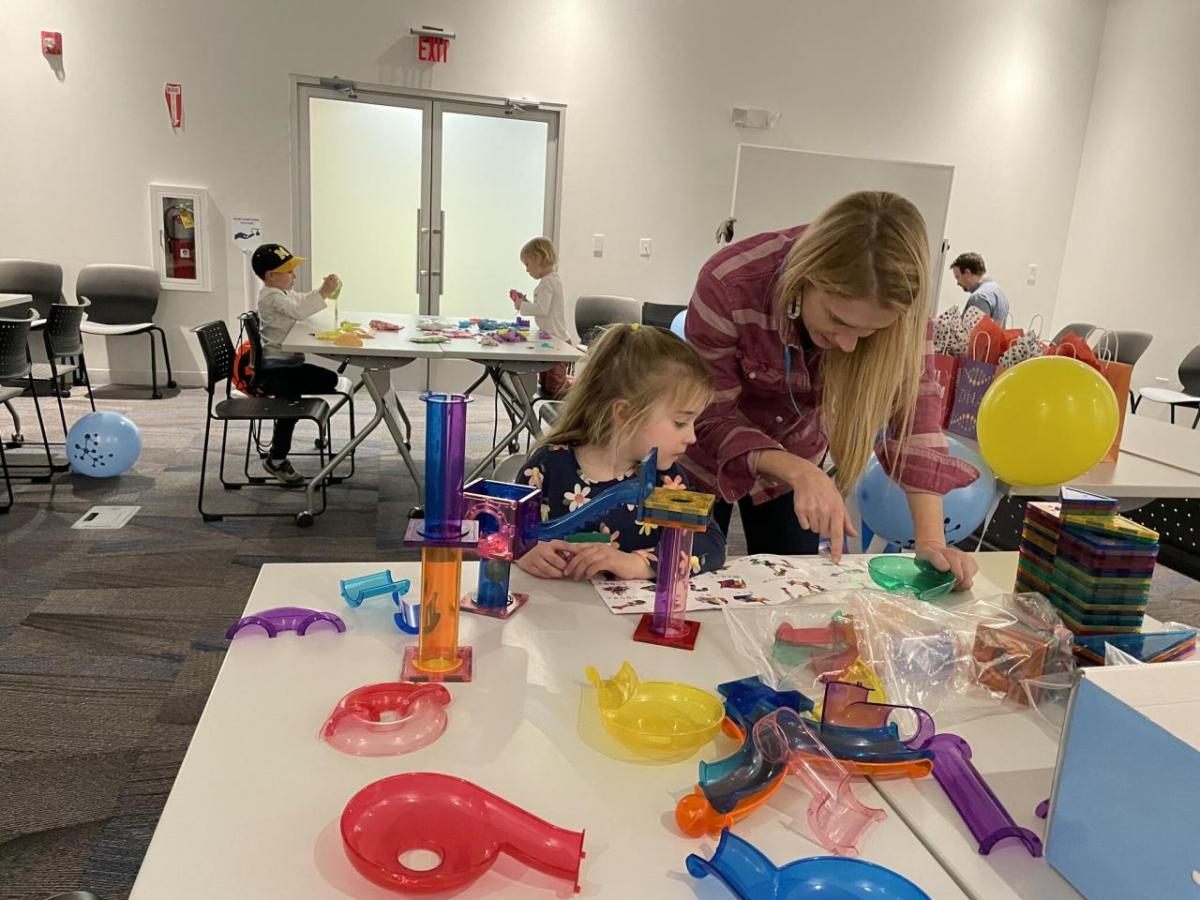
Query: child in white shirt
x=548, y=307
x=286, y=374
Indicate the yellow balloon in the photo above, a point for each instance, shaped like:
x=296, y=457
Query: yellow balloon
x=1046, y=420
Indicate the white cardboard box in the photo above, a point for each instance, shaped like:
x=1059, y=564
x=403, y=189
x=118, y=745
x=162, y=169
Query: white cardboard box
x=1125, y=812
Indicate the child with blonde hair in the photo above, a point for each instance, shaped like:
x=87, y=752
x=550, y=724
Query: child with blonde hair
x=642, y=389
x=548, y=307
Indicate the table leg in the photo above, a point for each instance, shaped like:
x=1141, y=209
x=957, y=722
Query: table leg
x=377, y=381
x=526, y=405
x=378, y=386
x=523, y=424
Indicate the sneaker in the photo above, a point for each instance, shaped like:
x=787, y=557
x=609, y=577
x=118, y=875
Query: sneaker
x=282, y=471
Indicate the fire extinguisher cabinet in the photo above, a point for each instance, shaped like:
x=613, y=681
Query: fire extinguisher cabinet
x=179, y=232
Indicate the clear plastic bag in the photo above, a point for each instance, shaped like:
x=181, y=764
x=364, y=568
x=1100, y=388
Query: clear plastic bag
x=1115, y=656
x=957, y=662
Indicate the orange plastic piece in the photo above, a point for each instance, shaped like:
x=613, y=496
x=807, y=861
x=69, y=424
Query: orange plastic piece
x=437, y=649
x=907, y=768
x=696, y=817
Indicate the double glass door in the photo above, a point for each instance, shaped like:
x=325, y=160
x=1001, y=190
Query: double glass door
x=422, y=204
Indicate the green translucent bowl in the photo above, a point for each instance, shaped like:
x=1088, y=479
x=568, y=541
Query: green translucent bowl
x=908, y=575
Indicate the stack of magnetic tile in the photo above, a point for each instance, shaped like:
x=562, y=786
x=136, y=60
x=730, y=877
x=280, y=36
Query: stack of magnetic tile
x=1147, y=646
x=1091, y=563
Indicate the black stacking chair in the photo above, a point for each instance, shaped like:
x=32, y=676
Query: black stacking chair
x=124, y=300
x=217, y=347
x=342, y=396
x=16, y=377
x=660, y=314
x=1188, y=398
x=64, y=353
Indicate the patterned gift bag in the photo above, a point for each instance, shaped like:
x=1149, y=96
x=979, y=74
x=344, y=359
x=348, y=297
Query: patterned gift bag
x=974, y=378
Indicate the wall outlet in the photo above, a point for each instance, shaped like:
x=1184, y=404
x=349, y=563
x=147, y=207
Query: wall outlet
x=644, y=247
x=1031, y=275
x=597, y=245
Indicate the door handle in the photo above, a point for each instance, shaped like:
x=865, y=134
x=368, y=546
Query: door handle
x=441, y=252
x=421, y=273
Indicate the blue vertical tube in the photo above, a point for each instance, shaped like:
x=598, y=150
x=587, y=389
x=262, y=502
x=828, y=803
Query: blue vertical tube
x=445, y=452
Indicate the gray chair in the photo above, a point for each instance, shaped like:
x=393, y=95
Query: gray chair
x=1189, y=397
x=16, y=377
x=124, y=300
x=1083, y=329
x=1123, y=346
x=593, y=312
x=509, y=468
x=42, y=280
x=660, y=314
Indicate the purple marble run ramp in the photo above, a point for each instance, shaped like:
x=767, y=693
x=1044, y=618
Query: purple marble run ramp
x=285, y=618
x=983, y=812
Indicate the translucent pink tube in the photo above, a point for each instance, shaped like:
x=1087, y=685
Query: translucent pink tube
x=387, y=719
x=837, y=819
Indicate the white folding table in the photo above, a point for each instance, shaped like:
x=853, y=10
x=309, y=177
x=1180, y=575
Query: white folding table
x=254, y=811
x=377, y=357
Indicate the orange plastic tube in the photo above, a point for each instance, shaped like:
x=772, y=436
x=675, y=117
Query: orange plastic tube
x=437, y=642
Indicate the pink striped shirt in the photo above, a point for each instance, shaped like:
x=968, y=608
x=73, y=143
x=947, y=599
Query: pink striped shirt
x=733, y=322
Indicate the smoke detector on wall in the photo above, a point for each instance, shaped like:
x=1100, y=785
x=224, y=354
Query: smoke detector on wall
x=754, y=118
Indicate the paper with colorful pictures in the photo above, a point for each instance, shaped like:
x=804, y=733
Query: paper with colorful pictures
x=759, y=580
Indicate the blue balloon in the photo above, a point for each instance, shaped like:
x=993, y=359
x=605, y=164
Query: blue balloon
x=677, y=324
x=103, y=444
x=884, y=506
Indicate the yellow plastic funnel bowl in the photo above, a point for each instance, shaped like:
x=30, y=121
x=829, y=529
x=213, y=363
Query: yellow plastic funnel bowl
x=656, y=719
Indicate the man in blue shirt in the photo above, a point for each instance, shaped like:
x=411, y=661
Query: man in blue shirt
x=971, y=275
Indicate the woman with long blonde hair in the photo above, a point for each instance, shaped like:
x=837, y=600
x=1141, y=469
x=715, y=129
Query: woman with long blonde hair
x=818, y=339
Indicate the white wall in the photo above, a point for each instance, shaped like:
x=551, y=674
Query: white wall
x=1135, y=230
x=998, y=88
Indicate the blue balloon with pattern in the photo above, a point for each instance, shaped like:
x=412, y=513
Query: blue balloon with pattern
x=884, y=506
x=103, y=444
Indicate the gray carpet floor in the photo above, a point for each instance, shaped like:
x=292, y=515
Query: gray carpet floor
x=110, y=640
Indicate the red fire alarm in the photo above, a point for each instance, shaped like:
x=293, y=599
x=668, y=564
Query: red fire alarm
x=52, y=43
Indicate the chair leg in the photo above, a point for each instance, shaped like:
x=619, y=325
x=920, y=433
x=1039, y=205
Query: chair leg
x=82, y=372
x=228, y=485
x=1197, y=419
x=54, y=380
x=1172, y=413
x=42, y=425
x=17, y=437
x=1133, y=403
x=154, y=394
x=207, y=517
x=7, y=482
x=162, y=335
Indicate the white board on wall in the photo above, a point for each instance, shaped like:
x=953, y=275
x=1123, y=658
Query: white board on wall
x=778, y=187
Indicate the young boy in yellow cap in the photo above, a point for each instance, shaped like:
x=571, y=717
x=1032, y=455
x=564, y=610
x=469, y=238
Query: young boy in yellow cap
x=286, y=374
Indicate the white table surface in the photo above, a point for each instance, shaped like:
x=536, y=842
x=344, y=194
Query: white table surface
x=1139, y=473
x=395, y=344
x=1016, y=755
x=14, y=299
x=400, y=344
x=1175, y=445
x=526, y=351
x=255, y=807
